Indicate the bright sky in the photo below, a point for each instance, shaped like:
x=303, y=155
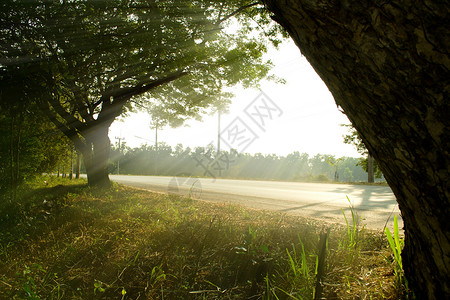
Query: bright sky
x=300, y=115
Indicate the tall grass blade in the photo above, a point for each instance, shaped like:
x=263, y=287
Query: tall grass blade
x=304, y=268
x=396, y=245
x=292, y=263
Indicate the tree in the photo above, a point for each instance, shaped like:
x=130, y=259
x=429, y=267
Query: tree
x=334, y=163
x=368, y=163
x=29, y=146
x=387, y=66
x=94, y=58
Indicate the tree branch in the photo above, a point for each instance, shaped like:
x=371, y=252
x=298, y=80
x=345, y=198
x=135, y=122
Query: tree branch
x=237, y=11
x=112, y=109
x=71, y=133
x=71, y=121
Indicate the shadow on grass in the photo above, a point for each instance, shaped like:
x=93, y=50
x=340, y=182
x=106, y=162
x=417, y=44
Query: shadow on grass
x=32, y=210
x=102, y=244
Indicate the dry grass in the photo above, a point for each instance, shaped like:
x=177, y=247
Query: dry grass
x=73, y=242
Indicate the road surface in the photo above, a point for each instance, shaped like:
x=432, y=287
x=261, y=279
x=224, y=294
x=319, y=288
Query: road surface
x=375, y=204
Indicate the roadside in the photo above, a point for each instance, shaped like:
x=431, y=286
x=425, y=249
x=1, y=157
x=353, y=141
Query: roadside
x=66, y=240
x=376, y=205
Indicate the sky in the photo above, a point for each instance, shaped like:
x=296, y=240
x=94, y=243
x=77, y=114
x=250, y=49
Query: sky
x=300, y=115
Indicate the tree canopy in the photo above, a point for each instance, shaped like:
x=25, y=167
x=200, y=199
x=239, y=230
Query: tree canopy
x=92, y=59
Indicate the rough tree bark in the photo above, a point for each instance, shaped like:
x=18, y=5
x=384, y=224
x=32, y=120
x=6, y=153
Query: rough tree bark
x=96, y=155
x=387, y=65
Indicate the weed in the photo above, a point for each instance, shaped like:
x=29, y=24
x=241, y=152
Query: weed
x=396, y=243
x=99, y=287
x=28, y=283
x=157, y=276
x=303, y=275
x=353, y=231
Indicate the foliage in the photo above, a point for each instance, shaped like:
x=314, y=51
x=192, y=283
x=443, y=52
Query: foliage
x=91, y=60
x=354, y=230
x=353, y=138
x=88, y=244
x=204, y=161
x=377, y=171
x=303, y=270
x=396, y=243
x=334, y=162
x=30, y=144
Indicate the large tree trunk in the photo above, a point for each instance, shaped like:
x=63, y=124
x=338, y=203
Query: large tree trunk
x=387, y=65
x=96, y=156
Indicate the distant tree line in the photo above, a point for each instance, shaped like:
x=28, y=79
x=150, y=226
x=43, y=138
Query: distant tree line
x=206, y=162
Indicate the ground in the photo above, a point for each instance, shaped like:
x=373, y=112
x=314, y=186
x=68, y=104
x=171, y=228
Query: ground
x=68, y=241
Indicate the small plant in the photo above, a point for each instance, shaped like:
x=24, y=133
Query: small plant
x=29, y=284
x=351, y=240
x=396, y=243
x=98, y=287
x=303, y=275
x=157, y=276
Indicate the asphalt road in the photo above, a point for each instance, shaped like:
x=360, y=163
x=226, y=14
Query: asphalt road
x=324, y=201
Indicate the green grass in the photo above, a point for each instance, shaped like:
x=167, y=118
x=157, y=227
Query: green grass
x=63, y=240
x=396, y=243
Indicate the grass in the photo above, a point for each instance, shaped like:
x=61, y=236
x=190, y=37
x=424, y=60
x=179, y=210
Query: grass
x=64, y=240
x=396, y=243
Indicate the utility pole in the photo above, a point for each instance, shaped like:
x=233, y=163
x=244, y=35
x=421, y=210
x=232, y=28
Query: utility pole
x=218, y=140
x=156, y=138
x=218, y=131
x=156, y=149
x=120, y=153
